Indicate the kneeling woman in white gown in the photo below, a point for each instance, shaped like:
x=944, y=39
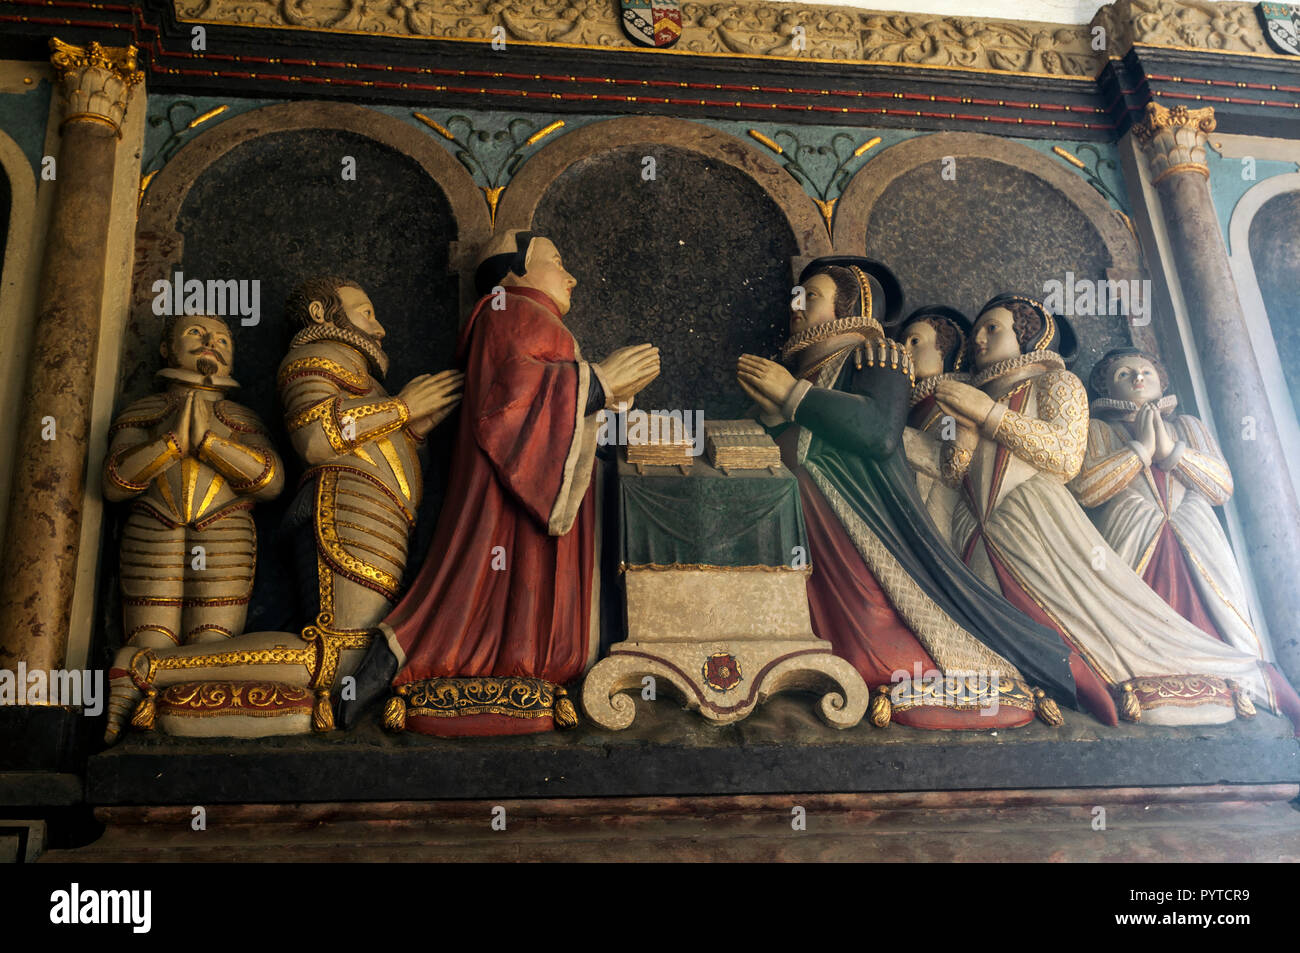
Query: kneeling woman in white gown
x=1151, y=479
x=1019, y=527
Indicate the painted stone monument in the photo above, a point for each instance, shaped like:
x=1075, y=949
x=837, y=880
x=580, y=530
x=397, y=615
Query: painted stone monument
x=359, y=494
x=193, y=463
x=1151, y=478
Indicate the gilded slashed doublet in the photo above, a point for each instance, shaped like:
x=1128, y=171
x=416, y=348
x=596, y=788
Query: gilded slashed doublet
x=183, y=501
x=363, y=467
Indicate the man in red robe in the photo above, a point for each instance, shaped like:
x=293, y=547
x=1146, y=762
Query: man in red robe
x=500, y=617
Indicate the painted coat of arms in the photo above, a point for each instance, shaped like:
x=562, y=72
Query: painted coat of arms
x=652, y=22
x=1282, y=26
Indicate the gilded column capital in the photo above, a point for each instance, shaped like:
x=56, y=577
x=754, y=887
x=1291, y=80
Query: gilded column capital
x=1174, y=139
x=96, y=81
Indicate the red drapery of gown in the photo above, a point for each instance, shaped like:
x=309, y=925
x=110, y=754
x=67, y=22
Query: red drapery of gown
x=1169, y=575
x=850, y=610
x=462, y=616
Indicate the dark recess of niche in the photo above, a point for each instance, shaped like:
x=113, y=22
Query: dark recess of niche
x=1275, y=252
x=6, y=206
x=696, y=261
x=997, y=228
x=277, y=209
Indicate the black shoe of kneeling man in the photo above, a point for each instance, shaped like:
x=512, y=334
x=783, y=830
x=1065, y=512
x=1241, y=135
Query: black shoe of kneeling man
x=374, y=681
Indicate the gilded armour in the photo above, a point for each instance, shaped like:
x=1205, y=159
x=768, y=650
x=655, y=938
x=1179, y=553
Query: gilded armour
x=189, y=547
x=363, y=460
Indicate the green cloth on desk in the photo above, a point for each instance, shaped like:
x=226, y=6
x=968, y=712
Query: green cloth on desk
x=746, y=518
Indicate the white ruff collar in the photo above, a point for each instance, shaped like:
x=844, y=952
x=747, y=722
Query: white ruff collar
x=195, y=379
x=924, y=387
x=1002, y=368
x=1127, y=410
x=353, y=338
x=829, y=329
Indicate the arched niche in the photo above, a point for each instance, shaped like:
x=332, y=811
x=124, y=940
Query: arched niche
x=1263, y=250
x=262, y=197
x=1275, y=252
x=1011, y=220
x=296, y=151
x=695, y=258
x=17, y=290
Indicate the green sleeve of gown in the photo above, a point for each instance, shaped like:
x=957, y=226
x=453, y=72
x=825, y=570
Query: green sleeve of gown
x=866, y=417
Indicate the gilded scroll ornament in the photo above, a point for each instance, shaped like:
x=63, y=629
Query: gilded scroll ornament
x=198, y=699
x=818, y=157
x=490, y=157
x=174, y=117
x=451, y=697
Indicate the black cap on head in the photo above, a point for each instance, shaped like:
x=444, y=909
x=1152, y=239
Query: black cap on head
x=493, y=269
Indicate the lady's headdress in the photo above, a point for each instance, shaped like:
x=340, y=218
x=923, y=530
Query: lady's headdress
x=881, y=294
x=1055, y=333
x=879, y=303
x=953, y=318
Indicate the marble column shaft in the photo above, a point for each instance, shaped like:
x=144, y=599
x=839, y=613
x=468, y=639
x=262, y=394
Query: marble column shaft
x=43, y=533
x=1264, y=495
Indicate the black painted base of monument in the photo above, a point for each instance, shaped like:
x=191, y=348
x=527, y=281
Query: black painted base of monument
x=781, y=748
x=44, y=738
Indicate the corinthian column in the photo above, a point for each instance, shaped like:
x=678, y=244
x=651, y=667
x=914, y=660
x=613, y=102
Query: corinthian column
x=43, y=531
x=1174, y=143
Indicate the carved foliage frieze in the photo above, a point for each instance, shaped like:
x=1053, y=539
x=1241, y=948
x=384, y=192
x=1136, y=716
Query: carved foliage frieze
x=1197, y=24
x=783, y=30
x=740, y=28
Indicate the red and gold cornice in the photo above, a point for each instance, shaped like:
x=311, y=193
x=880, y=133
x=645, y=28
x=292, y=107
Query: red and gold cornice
x=912, y=71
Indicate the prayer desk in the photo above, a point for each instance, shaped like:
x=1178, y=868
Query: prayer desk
x=715, y=568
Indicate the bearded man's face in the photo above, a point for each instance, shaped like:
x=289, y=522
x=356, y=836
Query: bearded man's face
x=360, y=313
x=201, y=343
x=355, y=314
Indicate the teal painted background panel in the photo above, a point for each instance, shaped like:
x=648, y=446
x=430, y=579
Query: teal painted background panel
x=493, y=144
x=1228, y=182
x=23, y=117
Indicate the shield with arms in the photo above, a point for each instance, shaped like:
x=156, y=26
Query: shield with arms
x=1281, y=24
x=655, y=23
